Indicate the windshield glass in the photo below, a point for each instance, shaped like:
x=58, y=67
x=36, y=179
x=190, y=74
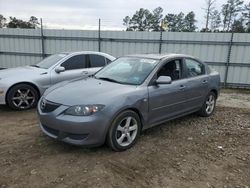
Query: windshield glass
x=50, y=61
x=127, y=70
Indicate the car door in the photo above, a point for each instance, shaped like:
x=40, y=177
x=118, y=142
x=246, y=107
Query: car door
x=167, y=100
x=197, y=83
x=75, y=66
x=96, y=62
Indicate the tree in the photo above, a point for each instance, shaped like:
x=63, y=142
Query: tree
x=189, y=22
x=18, y=23
x=126, y=22
x=175, y=22
x=140, y=21
x=246, y=15
x=144, y=20
x=33, y=22
x=2, y=21
x=155, y=21
x=230, y=11
x=215, y=20
x=238, y=26
x=209, y=9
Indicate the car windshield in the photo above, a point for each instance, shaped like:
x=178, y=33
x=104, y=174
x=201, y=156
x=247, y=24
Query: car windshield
x=49, y=61
x=127, y=70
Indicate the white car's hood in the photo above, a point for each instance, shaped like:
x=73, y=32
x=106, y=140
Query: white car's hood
x=21, y=72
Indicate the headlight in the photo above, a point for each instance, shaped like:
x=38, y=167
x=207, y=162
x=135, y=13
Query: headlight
x=83, y=110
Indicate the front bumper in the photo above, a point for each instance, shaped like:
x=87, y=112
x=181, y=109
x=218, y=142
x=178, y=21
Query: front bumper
x=76, y=130
x=3, y=90
x=2, y=99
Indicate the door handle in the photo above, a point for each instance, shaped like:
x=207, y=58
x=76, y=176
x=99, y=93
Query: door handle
x=204, y=81
x=182, y=87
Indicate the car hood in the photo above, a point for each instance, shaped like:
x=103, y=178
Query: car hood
x=87, y=91
x=21, y=71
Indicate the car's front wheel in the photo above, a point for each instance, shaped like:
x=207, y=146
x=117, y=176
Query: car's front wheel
x=124, y=131
x=209, y=105
x=22, y=97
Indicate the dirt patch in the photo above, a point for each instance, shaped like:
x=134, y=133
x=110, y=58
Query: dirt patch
x=235, y=98
x=187, y=152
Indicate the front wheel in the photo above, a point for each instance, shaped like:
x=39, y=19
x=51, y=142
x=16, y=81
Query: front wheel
x=124, y=131
x=22, y=97
x=209, y=105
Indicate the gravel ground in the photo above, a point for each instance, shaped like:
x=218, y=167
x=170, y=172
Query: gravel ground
x=188, y=152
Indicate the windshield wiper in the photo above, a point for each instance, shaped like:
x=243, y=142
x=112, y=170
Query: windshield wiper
x=35, y=66
x=108, y=79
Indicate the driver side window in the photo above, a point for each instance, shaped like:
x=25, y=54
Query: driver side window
x=173, y=69
x=75, y=62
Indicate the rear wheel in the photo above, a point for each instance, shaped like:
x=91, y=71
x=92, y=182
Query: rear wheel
x=124, y=131
x=209, y=105
x=22, y=97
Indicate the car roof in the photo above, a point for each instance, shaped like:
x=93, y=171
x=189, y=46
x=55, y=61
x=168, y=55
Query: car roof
x=90, y=52
x=160, y=56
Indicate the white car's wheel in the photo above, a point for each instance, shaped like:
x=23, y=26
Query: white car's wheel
x=22, y=97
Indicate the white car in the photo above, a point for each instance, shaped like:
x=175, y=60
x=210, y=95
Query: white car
x=21, y=87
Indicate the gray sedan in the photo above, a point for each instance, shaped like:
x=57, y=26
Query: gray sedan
x=21, y=87
x=129, y=95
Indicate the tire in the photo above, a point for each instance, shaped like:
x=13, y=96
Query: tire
x=22, y=97
x=124, y=131
x=209, y=105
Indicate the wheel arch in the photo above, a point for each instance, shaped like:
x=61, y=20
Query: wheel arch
x=215, y=92
x=134, y=109
x=28, y=83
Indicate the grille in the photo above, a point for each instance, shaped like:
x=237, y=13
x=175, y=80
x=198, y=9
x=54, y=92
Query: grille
x=47, y=106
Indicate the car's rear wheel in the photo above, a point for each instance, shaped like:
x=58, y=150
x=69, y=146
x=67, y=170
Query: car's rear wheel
x=124, y=131
x=209, y=105
x=22, y=97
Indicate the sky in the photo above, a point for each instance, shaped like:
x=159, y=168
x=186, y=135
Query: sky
x=84, y=14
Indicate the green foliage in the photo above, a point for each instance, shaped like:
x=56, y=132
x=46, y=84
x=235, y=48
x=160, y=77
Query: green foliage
x=175, y=22
x=246, y=16
x=189, y=22
x=2, y=21
x=230, y=12
x=144, y=20
x=18, y=23
x=155, y=21
x=215, y=21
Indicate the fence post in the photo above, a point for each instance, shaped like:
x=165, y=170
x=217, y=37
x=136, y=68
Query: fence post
x=42, y=39
x=160, y=42
x=99, y=35
x=228, y=59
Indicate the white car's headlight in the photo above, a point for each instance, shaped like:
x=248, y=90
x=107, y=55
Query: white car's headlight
x=83, y=110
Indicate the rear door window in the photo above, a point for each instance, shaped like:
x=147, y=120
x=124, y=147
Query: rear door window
x=194, y=68
x=97, y=60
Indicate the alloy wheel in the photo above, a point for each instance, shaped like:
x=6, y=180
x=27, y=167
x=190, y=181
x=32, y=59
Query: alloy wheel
x=23, y=98
x=126, y=131
x=210, y=103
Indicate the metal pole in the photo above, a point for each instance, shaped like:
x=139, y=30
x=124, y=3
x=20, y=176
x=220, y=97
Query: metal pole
x=99, y=36
x=160, y=44
x=228, y=58
x=42, y=39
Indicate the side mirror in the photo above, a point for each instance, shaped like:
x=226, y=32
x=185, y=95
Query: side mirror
x=59, y=69
x=163, y=80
